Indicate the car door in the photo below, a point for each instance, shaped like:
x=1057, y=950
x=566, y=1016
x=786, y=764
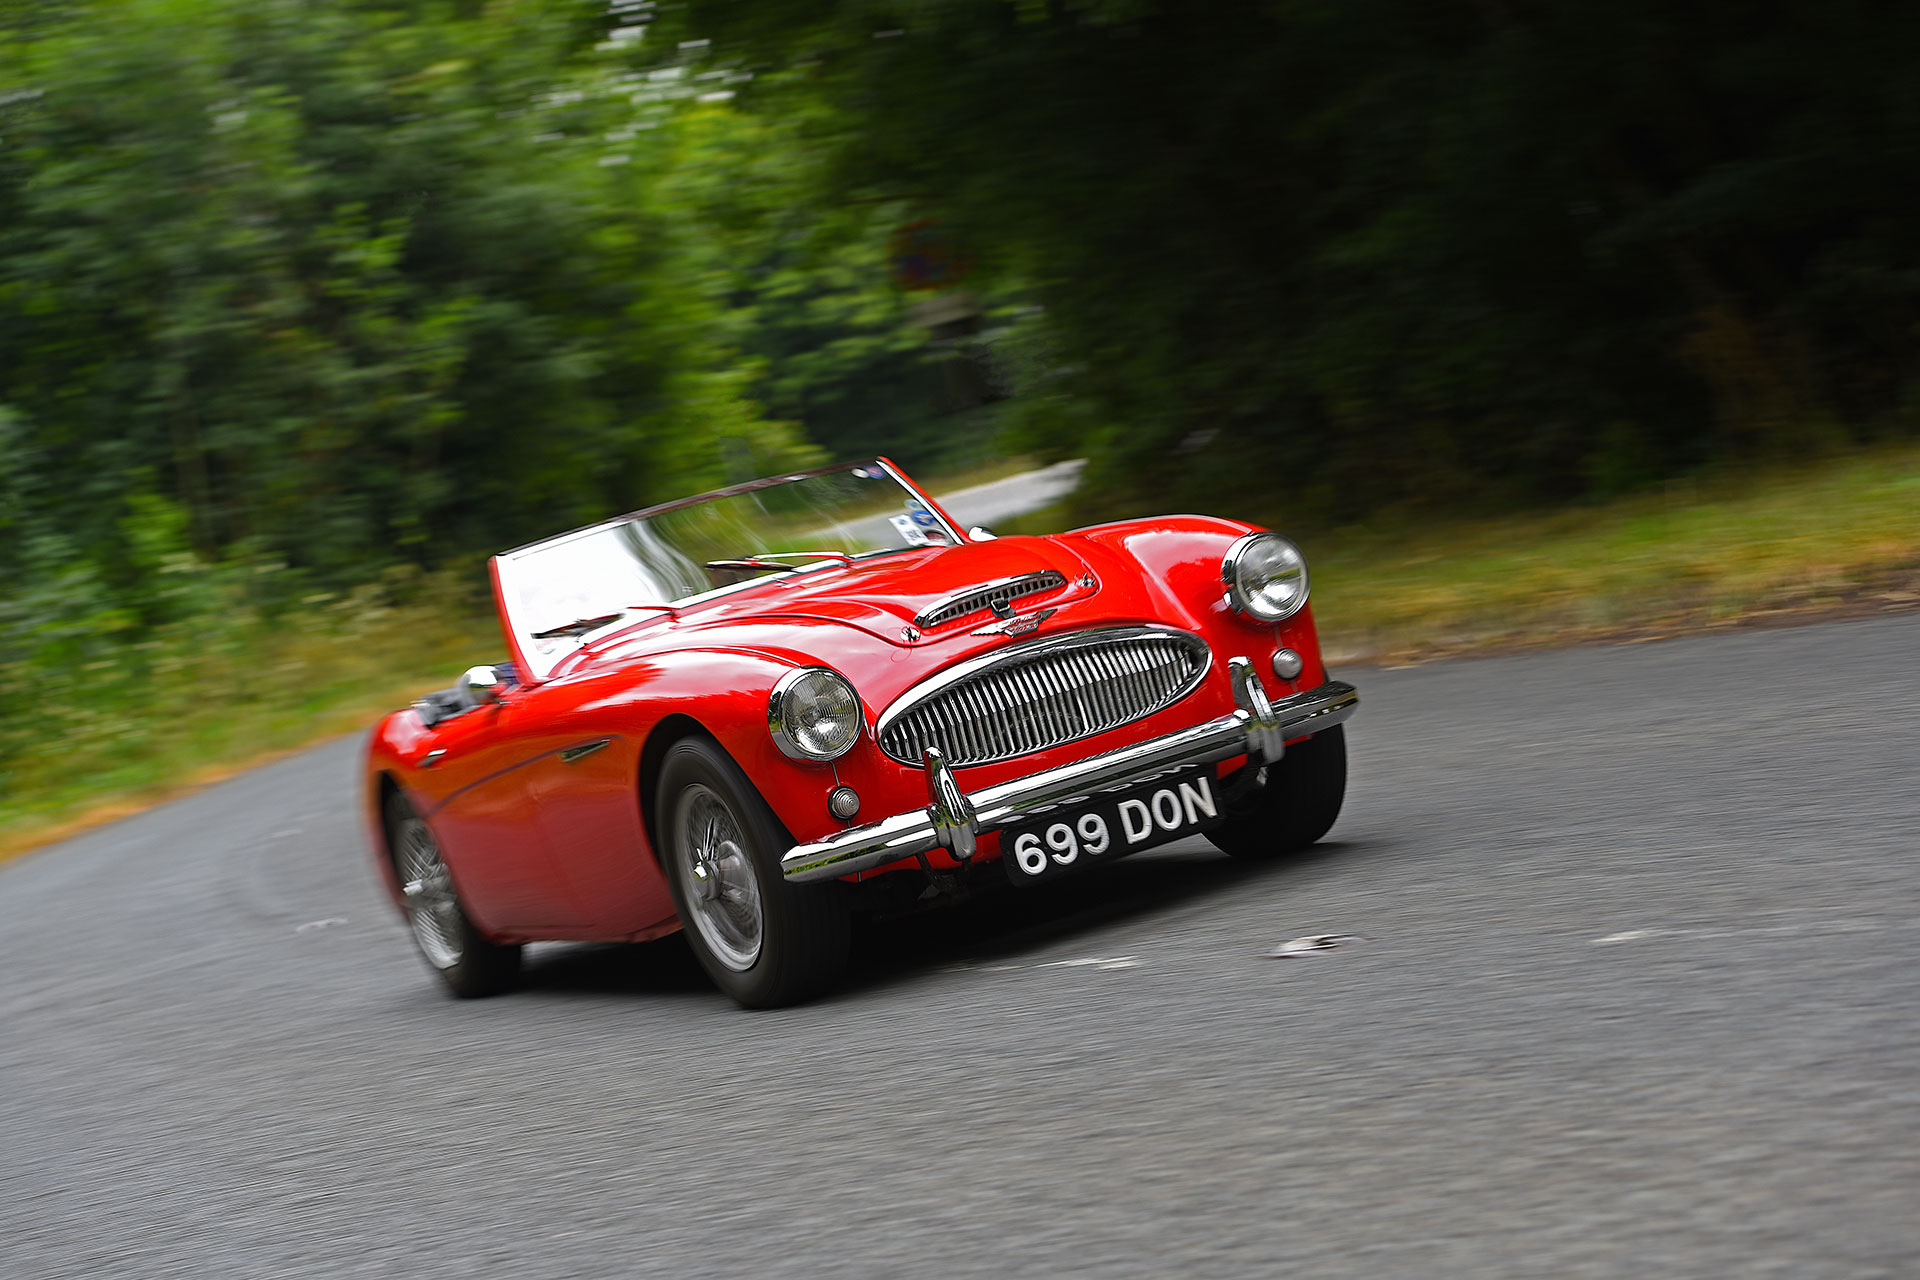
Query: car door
x=590, y=820
x=486, y=819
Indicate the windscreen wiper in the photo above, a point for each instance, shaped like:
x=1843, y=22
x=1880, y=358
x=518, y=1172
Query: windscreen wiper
x=579, y=626
x=773, y=560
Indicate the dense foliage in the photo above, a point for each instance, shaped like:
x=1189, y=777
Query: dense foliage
x=1390, y=249
x=297, y=297
x=333, y=280
x=292, y=295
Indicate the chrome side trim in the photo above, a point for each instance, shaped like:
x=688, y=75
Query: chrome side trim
x=1243, y=731
x=978, y=598
x=573, y=755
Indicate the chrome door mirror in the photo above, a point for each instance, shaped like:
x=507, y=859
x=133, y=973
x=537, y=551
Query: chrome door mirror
x=980, y=533
x=481, y=685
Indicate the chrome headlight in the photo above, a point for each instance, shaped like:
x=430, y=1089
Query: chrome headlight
x=814, y=714
x=1266, y=577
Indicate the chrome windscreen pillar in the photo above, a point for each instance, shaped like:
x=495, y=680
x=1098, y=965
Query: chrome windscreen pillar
x=1266, y=736
x=949, y=809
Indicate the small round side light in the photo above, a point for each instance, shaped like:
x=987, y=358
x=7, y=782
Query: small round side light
x=843, y=802
x=1286, y=663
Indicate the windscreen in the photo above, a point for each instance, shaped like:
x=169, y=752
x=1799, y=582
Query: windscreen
x=557, y=593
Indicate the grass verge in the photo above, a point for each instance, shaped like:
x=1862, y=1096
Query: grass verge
x=1824, y=538
x=138, y=718
x=200, y=706
x=1832, y=537
x=1828, y=537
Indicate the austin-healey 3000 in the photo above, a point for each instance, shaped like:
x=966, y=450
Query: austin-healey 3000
x=750, y=714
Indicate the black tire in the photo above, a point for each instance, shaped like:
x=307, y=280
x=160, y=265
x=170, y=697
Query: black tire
x=785, y=944
x=470, y=964
x=1296, y=807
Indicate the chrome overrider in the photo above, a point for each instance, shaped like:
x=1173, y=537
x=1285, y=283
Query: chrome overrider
x=1258, y=727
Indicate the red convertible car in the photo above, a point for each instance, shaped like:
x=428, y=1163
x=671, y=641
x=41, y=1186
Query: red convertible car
x=749, y=714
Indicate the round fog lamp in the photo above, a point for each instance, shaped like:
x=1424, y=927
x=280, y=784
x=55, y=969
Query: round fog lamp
x=1266, y=577
x=814, y=714
x=1286, y=663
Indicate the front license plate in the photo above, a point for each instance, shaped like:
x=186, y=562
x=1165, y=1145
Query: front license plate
x=1103, y=827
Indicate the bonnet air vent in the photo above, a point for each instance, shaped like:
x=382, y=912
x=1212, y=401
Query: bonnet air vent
x=985, y=596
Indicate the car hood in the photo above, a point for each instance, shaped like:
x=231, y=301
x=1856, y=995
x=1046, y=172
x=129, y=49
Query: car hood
x=874, y=612
x=887, y=595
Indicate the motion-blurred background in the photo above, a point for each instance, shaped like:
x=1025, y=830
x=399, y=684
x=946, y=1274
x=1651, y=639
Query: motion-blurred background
x=1532, y=319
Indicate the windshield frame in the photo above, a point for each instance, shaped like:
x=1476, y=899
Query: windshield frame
x=535, y=666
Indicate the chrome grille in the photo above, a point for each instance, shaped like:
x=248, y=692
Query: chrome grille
x=1043, y=694
x=987, y=595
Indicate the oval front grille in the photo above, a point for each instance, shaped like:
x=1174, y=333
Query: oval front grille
x=1043, y=694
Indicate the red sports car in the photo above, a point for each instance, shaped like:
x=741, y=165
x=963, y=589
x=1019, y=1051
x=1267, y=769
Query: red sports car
x=751, y=713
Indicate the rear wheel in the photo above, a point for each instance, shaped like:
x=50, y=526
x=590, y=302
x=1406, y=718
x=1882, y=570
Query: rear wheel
x=1296, y=807
x=763, y=941
x=467, y=962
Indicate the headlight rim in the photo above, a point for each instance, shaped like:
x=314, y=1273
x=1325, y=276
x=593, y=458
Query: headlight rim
x=777, y=720
x=1239, y=599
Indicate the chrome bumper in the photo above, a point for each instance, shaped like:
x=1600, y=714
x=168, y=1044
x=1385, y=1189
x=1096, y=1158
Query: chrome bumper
x=953, y=819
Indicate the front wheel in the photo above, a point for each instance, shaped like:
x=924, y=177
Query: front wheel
x=1296, y=807
x=763, y=941
x=466, y=961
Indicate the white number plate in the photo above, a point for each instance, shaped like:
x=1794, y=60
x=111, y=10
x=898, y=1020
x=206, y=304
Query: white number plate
x=1107, y=826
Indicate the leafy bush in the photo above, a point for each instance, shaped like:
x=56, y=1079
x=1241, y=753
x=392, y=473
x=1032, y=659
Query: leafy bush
x=1370, y=253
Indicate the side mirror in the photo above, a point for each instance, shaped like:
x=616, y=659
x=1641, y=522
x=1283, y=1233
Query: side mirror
x=980, y=533
x=481, y=685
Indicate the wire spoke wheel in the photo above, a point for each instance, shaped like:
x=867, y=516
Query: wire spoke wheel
x=723, y=888
x=763, y=941
x=469, y=962
x=432, y=908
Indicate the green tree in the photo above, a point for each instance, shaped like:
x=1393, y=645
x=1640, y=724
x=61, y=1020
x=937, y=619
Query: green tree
x=1377, y=251
x=834, y=346
x=351, y=282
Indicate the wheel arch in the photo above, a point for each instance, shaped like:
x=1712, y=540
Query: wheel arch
x=669, y=730
x=653, y=754
x=384, y=787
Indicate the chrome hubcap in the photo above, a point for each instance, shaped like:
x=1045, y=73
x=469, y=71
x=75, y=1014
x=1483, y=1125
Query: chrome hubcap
x=723, y=890
x=432, y=908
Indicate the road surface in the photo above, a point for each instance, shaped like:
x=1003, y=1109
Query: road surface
x=1637, y=998
x=980, y=504
x=1014, y=496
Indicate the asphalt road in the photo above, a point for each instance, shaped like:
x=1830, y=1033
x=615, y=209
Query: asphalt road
x=1012, y=496
x=1638, y=998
